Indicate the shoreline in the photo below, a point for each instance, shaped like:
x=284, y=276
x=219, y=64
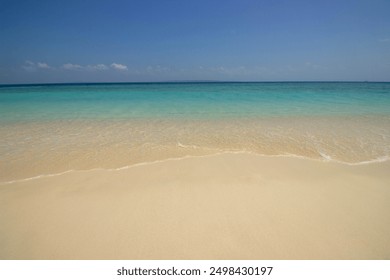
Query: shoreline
x=323, y=159
x=31, y=150
x=225, y=206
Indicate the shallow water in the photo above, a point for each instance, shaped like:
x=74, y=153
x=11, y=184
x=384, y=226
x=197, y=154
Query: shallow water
x=50, y=129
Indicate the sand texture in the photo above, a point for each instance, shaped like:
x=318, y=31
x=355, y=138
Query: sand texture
x=226, y=206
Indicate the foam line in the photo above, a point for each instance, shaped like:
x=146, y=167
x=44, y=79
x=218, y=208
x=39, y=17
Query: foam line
x=325, y=158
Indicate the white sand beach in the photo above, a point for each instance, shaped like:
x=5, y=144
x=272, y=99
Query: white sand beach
x=226, y=206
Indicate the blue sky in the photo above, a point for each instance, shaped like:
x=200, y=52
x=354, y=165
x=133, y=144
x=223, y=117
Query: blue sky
x=245, y=40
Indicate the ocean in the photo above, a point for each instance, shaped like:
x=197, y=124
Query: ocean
x=49, y=129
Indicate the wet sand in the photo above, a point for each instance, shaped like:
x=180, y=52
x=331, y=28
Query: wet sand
x=225, y=206
x=29, y=149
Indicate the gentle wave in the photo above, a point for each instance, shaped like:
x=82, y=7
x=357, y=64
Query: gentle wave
x=325, y=158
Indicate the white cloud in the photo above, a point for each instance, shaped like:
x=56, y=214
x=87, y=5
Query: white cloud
x=29, y=66
x=43, y=65
x=384, y=40
x=32, y=66
x=118, y=66
x=70, y=66
x=97, y=67
x=158, y=69
x=232, y=71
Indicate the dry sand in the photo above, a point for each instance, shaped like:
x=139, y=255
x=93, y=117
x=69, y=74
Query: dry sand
x=227, y=206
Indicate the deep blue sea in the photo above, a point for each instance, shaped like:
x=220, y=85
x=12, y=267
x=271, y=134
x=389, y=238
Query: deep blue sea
x=191, y=100
x=46, y=129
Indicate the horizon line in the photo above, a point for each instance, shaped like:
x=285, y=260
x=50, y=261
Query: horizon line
x=186, y=81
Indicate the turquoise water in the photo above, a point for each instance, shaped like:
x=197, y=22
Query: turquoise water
x=191, y=100
x=49, y=129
